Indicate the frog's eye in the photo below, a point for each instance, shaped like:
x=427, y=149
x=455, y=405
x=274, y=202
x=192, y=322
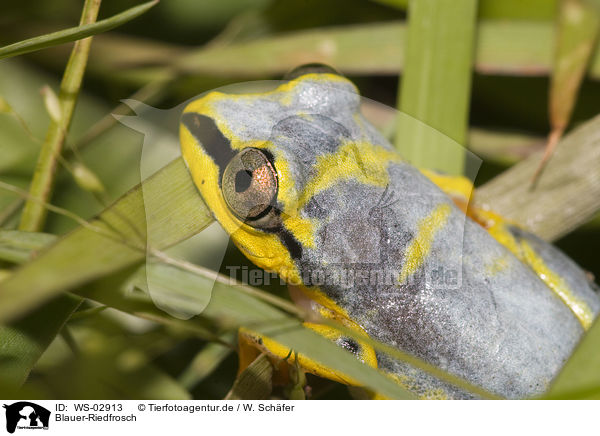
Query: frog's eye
x=314, y=68
x=249, y=186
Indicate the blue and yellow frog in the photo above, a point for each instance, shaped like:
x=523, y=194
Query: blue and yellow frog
x=308, y=188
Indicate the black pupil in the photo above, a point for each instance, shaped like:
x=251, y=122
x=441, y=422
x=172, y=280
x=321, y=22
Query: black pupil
x=243, y=180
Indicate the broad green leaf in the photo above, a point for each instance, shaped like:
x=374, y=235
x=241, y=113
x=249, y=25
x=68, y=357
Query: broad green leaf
x=232, y=307
x=436, y=83
x=21, y=85
x=22, y=343
x=74, y=33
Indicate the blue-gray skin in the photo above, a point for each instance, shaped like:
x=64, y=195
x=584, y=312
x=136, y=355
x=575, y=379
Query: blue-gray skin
x=502, y=329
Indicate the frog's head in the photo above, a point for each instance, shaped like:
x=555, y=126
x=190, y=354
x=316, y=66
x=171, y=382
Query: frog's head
x=253, y=159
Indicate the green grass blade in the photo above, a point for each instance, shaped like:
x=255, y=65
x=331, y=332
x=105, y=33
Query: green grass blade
x=74, y=33
x=517, y=9
x=17, y=247
x=61, y=111
x=578, y=27
x=109, y=292
x=88, y=253
x=436, y=84
x=255, y=382
x=23, y=342
x=340, y=47
x=518, y=48
x=502, y=9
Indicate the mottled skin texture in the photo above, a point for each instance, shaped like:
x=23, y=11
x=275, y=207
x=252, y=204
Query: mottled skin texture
x=448, y=292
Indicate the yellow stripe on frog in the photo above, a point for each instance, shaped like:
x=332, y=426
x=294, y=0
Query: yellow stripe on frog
x=358, y=161
x=579, y=307
x=525, y=253
x=419, y=247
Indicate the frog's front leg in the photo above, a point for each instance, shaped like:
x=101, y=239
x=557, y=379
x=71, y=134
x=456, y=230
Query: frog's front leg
x=284, y=360
x=252, y=344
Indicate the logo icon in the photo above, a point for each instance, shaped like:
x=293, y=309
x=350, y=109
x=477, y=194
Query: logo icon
x=26, y=415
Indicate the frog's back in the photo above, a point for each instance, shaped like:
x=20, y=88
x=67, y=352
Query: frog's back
x=463, y=302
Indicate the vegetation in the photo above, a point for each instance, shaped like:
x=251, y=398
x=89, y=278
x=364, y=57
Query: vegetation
x=77, y=249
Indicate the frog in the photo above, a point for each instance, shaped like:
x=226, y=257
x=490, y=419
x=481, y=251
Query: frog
x=308, y=188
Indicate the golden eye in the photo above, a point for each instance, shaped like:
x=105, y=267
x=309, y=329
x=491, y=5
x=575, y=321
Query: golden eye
x=249, y=186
